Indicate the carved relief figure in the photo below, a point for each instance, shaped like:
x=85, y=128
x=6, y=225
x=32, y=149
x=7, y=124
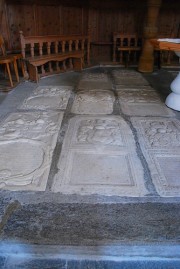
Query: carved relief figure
x=162, y=133
x=28, y=125
x=101, y=131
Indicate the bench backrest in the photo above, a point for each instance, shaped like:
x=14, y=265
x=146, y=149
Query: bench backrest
x=32, y=46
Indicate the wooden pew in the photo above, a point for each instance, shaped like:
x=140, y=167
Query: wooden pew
x=126, y=46
x=43, y=54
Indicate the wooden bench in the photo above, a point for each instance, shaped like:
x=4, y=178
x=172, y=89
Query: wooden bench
x=45, y=55
x=126, y=47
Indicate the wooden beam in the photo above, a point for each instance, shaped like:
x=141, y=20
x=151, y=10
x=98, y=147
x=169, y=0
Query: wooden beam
x=146, y=62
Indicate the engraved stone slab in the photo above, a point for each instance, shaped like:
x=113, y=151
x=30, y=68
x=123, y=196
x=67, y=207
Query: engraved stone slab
x=27, y=141
x=41, y=126
x=139, y=96
x=165, y=171
x=93, y=131
x=91, y=81
x=99, y=157
x=145, y=109
x=158, y=133
x=48, y=97
x=128, y=77
x=23, y=163
x=93, y=102
x=160, y=142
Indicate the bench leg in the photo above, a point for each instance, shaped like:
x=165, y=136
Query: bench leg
x=77, y=64
x=33, y=73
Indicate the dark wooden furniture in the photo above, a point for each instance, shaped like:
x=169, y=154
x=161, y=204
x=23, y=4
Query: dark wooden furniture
x=44, y=54
x=126, y=47
x=7, y=61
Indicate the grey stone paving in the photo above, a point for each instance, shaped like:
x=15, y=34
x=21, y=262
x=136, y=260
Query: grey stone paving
x=88, y=209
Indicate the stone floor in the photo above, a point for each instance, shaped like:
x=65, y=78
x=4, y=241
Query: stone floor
x=90, y=159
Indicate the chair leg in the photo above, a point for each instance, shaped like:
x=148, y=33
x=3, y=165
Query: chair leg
x=9, y=74
x=22, y=68
x=16, y=70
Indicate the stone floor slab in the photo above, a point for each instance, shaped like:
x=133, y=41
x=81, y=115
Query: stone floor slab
x=91, y=81
x=90, y=76
x=165, y=171
x=140, y=96
x=146, y=109
x=51, y=97
x=160, y=142
x=128, y=77
x=94, y=131
x=158, y=133
x=93, y=102
x=126, y=73
x=99, y=157
x=27, y=142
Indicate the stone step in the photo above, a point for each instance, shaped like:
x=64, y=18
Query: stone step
x=154, y=256
x=88, y=220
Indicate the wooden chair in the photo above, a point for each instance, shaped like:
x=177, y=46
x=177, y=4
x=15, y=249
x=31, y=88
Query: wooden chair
x=126, y=45
x=7, y=59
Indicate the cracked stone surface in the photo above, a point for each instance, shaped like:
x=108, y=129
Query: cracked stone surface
x=160, y=142
x=93, y=102
x=99, y=156
x=51, y=97
x=27, y=142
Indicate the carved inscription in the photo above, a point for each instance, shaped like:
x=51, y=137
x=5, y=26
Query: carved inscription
x=99, y=131
x=29, y=125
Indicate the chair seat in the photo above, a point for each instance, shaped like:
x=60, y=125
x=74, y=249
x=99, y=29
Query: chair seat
x=6, y=59
x=16, y=56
